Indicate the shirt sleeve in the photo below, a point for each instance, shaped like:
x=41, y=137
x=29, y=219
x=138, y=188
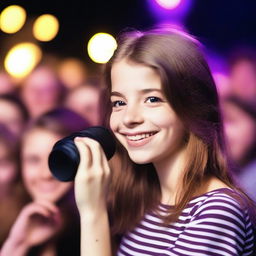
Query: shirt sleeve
x=218, y=228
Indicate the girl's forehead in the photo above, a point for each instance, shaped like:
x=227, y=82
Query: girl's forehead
x=128, y=75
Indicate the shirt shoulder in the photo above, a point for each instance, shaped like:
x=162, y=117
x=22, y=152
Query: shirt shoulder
x=222, y=201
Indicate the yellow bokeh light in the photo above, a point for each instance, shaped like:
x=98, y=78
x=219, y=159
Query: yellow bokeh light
x=101, y=47
x=45, y=27
x=21, y=59
x=12, y=19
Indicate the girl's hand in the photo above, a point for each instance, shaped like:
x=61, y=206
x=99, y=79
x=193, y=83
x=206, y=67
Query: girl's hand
x=92, y=178
x=37, y=223
x=91, y=184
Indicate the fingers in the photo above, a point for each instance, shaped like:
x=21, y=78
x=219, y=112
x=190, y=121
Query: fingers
x=48, y=205
x=92, y=156
x=92, y=176
x=32, y=211
x=84, y=152
x=43, y=208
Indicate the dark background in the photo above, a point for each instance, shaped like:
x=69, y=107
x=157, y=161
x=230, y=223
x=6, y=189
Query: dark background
x=221, y=25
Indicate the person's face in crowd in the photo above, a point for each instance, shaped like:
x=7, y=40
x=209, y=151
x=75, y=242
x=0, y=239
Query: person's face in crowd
x=40, y=92
x=8, y=168
x=240, y=131
x=142, y=118
x=40, y=183
x=243, y=79
x=11, y=116
x=85, y=101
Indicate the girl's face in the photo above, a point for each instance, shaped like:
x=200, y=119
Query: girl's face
x=142, y=118
x=37, y=177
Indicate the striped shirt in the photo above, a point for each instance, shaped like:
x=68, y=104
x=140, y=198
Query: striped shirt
x=213, y=224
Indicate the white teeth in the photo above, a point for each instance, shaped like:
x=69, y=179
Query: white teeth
x=139, y=136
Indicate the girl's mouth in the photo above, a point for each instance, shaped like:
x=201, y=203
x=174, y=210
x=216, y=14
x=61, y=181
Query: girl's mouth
x=139, y=136
x=138, y=140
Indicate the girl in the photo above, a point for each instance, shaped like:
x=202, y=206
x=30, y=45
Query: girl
x=171, y=193
x=44, y=226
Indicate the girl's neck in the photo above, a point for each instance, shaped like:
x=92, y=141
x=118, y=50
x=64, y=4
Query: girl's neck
x=170, y=174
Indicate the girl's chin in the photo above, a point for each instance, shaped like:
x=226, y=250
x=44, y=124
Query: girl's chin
x=140, y=160
x=50, y=199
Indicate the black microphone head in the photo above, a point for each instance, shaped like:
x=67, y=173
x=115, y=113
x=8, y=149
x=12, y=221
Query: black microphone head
x=64, y=158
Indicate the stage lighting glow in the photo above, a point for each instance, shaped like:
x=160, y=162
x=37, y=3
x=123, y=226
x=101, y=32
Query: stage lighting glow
x=168, y=4
x=101, y=47
x=45, y=27
x=21, y=59
x=12, y=19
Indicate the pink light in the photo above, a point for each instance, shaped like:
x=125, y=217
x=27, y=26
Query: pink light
x=168, y=4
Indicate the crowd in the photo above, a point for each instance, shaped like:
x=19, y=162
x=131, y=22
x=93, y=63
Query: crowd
x=38, y=214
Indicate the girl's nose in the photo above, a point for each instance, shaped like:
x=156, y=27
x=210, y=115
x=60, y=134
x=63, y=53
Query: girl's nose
x=132, y=116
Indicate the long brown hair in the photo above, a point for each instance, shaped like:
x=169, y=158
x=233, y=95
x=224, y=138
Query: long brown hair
x=190, y=89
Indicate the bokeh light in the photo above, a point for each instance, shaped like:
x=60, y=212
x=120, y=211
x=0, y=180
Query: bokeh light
x=170, y=11
x=72, y=72
x=101, y=47
x=168, y=4
x=45, y=27
x=12, y=19
x=21, y=59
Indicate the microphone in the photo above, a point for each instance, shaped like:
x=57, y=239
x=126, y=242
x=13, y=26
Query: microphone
x=64, y=158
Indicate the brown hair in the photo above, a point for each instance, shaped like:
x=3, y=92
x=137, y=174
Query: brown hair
x=190, y=89
x=61, y=120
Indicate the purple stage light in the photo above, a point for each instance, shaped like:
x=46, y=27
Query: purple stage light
x=168, y=4
x=173, y=11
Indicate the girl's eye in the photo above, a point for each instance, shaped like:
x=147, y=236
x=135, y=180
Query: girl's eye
x=153, y=99
x=118, y=103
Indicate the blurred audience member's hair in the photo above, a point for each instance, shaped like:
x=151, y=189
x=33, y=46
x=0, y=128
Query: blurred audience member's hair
x=13, y=113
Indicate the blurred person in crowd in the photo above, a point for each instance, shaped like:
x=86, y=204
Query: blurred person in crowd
x=7, y=85
x=240, y=127
x=221, y=80
x=84, y=99
x=12, y=193
x=243, y=73
x=13, y=113
x=48, y=224
x=42, y=91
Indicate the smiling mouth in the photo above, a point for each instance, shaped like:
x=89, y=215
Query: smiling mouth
x=139, y=137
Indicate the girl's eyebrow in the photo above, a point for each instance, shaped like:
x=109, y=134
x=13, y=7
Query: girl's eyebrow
x=143, y=91
x=114, y=93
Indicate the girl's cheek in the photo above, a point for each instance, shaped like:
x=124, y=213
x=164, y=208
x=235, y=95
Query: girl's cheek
x=113, y=122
